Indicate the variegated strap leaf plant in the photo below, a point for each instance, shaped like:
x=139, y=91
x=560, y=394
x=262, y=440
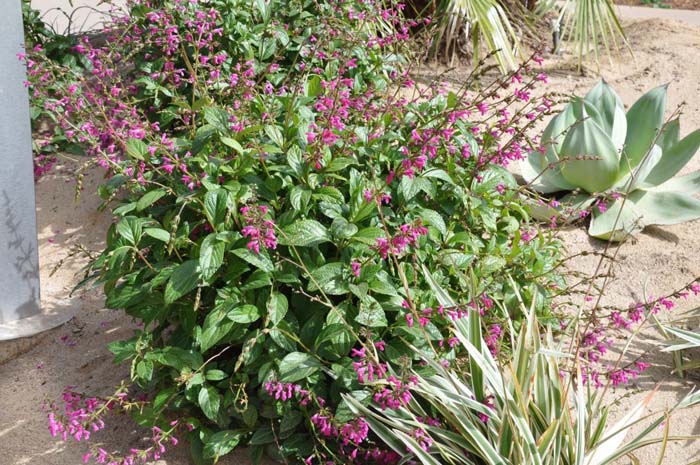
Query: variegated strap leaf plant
x=597, y=151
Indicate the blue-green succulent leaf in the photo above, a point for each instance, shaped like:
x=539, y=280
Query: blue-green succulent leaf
x=587, y=139
x=555, y=132
x=642, y=171
x=543, y=176
x=583, y=109
x=688, y=184
x=674, y=159
x=644, y=121
x=670, y=135
x=619, y=221
x=665, y=207
x=611, y=110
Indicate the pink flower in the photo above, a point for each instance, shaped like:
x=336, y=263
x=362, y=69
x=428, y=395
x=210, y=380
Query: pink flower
x=409, y=320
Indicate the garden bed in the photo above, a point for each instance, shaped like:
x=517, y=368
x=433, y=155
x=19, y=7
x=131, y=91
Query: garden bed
x=76, y=354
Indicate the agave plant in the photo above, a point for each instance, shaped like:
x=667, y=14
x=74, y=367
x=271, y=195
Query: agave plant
x=599, y=152
x=534, y=415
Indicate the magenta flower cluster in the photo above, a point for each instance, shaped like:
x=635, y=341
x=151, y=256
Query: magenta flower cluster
x=259, y=229
x=81, y=416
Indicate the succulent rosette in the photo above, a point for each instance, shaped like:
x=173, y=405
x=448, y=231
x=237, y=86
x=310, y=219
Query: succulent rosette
x=599, y=152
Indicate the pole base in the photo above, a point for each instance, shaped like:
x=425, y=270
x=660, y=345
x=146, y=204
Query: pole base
x=18, y=336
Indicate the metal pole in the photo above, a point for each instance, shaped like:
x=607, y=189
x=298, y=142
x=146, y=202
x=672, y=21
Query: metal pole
x=20, y=299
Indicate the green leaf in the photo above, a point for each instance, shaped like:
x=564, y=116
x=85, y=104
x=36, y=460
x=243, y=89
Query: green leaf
x=297, y=366
x=262, y=435
x=215, y=375
x=299, y=197
x=122, y=350
x=670, y=135
x=234, y=144
x=277, y=306
x=210, y=402
x=244, y=314
x=144, y=370
x=617, y=223
x=434, y=219
x=688, y=184
x=149, y=198
x=686, y=340
x=674, y=159
x=541, y=176
x=258, y=260
x=157, y=233
x=587, y=139
x=183, y=280
x=215, y=206
x=211, y=255
x=342, y=228
x=274, y=133
x=369, y=235
x=644, y=120
x=329, y=278
x=313, y=86
x=176, y=357
x=136, y=148
x=130, y=229
x=641, y=172
x=222, y=443
x=218, y=118
x=215, y=328
x=371, y=313
x=304, y=233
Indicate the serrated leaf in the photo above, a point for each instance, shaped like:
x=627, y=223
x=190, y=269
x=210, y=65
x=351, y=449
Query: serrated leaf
x=329, y=278
x=157, y=233
x=221, y=443
x=258, y=260
x=137, y=149
x=217, y=118
x=371, y=313
x=304, y=233
x=215, y=206
x=274, y=133
x=244, y=314
x=149, y=198
x=210, y=402
x=234, y=144
x=297, y=366
x=277, y=307
x=183, y=281
x=313, y=86
x=211, y=256
x=434, y=219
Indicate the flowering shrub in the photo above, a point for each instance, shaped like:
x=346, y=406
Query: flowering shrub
x=280, y=185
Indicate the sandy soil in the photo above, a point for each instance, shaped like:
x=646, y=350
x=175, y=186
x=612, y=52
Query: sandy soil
x=76, y=354
x=673, y=4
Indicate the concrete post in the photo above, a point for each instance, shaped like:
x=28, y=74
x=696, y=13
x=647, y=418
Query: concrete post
x=20, y=298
